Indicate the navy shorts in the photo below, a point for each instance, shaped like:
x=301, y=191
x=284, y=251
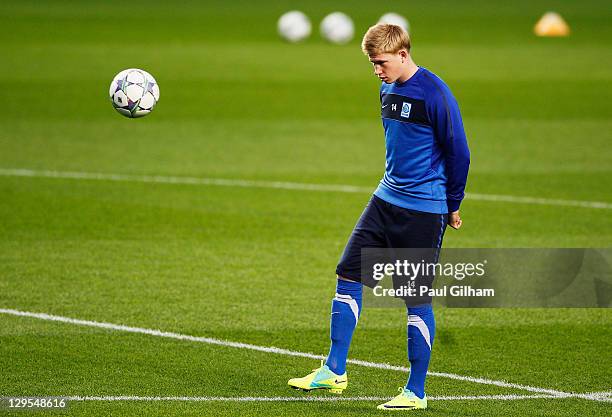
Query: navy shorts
x=384, y=225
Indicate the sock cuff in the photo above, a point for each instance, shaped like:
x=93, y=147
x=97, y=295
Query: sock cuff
x=352, y=288
x=421, y=310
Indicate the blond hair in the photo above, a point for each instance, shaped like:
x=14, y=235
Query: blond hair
x=384, y=38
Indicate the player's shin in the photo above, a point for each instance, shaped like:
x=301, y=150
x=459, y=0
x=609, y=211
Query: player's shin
x=421, y=331
x=346, y=307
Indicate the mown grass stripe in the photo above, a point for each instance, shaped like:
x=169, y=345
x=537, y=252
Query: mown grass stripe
x=287, y=352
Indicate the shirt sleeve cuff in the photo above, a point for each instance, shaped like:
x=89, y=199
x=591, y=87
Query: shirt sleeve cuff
x=453, y=205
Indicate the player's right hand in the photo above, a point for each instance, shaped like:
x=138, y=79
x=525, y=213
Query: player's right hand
x=454, y=220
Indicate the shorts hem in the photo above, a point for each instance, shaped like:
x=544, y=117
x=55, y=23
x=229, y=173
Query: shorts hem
x=349, y=276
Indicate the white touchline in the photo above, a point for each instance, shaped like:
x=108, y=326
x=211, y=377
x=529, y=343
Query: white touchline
x=287, y=352
x=161, y=179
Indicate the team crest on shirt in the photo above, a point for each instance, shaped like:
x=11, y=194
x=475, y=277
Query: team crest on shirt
x=406, y=109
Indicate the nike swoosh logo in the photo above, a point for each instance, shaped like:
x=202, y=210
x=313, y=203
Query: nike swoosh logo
x=407, y=407
x=384, y=106
x=339, y=382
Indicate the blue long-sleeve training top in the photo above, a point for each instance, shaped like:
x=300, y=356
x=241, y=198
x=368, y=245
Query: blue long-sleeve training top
x=427, y=156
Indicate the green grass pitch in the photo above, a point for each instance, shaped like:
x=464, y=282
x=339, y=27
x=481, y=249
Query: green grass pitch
x=256, y=264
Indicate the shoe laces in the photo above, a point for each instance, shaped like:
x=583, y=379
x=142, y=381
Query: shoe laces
x=316, y=369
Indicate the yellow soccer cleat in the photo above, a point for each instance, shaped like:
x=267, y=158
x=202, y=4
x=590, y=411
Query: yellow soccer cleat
x=406, y=400
x=321, y=378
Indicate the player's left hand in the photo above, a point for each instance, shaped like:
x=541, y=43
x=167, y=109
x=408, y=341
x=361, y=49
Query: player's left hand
x=454, y=220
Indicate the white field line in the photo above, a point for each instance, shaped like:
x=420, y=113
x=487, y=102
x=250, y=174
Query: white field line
x=159, y=179
x=280, y=351
x=300, y=399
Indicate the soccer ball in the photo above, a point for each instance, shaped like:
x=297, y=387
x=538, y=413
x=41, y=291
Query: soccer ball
x=337, y=28
x=395, y=19
x=294, y=26
x=134, y=92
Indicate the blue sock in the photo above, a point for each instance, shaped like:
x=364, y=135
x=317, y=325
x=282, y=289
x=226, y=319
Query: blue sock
x=421, y=332
x=345, y=311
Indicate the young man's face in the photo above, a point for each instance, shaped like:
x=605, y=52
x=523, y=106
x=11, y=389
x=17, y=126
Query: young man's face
x=388, y=67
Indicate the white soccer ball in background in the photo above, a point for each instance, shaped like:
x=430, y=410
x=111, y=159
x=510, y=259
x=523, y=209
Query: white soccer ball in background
x=395, y=19
x=337, y=28
x=294, y=26
x=134, y=92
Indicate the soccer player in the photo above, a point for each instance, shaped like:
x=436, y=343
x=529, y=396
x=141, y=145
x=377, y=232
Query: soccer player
x=427, y=160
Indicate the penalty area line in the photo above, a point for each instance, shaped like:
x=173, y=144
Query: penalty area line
x=287, y=352
x=161, y=179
